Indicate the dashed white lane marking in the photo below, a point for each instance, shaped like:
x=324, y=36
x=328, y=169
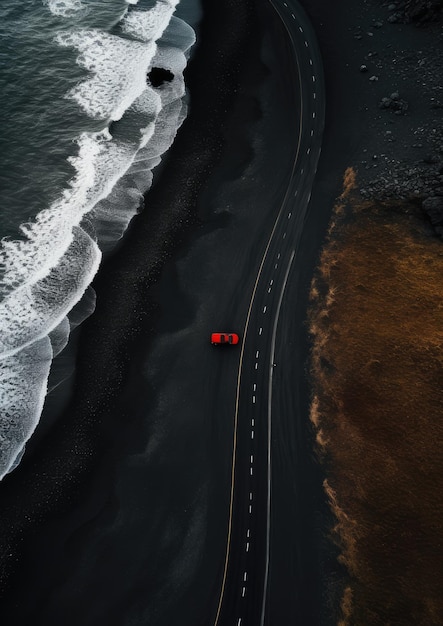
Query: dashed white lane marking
x=250, y=471
x=300, y=29
x=250, y=509
x=278, y=255
x=271, y=282
x=243, y=591
x=284, y=235
x=313, y=115
x=247, y=546
x=252, y=459
x=245, y=576
x=250, y=495
x=248, y=533
x=252, y=434
x=310, y=61
x=315, y=95
x=253, y=399
x=293, y=15
x=313, y=78
x=306, y=43
x=275, y=266
x=264, y=308
x=289, y=215
x=296, y=193
x=269, y=289
x=312, y=133
x=260, y=330
x=239, y=621
x=308, y=150
x=256, y=366
x=257, y=353
x=254, y=387
x=302, y=170
x=285, y=4
x=252, y=422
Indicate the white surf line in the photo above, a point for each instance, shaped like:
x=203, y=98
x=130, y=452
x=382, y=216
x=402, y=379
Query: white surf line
x=265, y=254
x=271, y=372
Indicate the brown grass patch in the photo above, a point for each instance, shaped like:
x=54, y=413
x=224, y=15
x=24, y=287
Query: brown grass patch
x=377, y=365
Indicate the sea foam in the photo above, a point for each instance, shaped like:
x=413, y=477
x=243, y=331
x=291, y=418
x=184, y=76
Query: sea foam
x=65, y=8
x=47, y=272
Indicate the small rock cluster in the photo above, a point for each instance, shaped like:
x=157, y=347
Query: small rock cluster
x=394, y=103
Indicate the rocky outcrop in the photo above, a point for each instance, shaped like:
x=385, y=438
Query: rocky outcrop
x=418, y=11
x=423, y=10
x=433, y=208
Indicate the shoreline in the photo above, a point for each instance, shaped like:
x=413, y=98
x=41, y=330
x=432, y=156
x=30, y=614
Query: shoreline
x=77, y=483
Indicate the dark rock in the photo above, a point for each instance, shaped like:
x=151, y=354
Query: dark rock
x=385, y=103
x=394, y=103
x=433, y=207
x=159, y=75
x=423, y=10
x=394, y=18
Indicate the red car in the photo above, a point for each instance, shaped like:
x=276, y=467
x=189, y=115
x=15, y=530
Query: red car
x=220, y=339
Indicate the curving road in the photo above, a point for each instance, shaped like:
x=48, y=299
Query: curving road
x=244, y=587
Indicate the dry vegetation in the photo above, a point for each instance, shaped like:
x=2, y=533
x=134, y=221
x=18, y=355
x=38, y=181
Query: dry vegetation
x=377, y=364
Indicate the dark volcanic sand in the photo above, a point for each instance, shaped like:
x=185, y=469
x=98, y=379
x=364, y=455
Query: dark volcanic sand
x=118, y=514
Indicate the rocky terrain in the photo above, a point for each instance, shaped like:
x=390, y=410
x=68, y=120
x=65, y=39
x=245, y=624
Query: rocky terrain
x=400, y=60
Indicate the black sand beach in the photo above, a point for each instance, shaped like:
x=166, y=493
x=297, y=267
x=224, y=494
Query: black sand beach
x=117, y=514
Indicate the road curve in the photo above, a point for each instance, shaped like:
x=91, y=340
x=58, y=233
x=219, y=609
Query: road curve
x=244, y=586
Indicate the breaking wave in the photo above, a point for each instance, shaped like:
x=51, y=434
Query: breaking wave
x=46, y=272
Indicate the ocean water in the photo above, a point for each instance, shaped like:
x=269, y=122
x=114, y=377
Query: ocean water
x=82, y=129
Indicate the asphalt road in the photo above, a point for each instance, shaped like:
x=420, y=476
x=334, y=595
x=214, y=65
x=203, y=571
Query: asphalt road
x=245, y=584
